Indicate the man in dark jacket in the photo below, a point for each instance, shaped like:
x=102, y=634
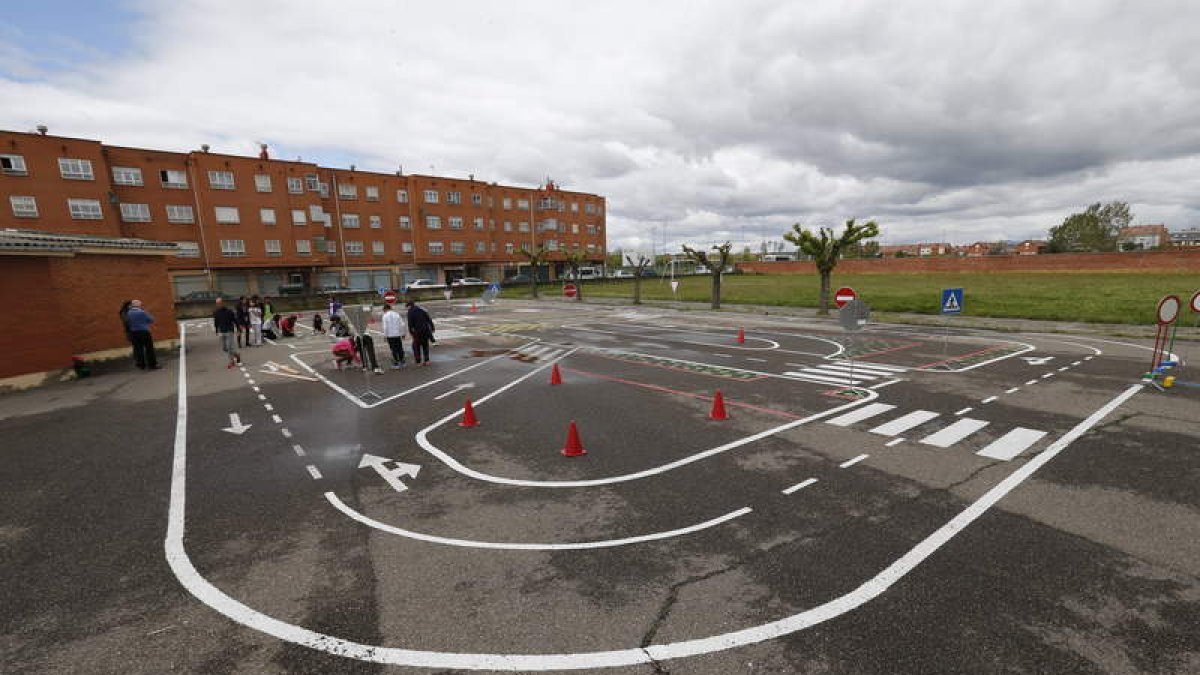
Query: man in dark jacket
x=226, y=324
x=138, y=320
x=420, y=326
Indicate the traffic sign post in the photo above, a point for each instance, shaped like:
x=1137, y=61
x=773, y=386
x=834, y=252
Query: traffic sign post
x=390, y=297
x=952, y=304
x=844, y=295
x=1166, y=314
x=853, y=316
x=569, y=290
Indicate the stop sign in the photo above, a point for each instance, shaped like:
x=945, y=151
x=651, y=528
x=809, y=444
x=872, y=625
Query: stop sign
x=844, y=294
x=390, y=297
x=569, y=290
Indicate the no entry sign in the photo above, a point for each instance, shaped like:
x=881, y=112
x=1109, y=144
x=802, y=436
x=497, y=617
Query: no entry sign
x=569, y=290
x=1168, y=309
x=390, y=297
x=843, y=295
x=1196, y=302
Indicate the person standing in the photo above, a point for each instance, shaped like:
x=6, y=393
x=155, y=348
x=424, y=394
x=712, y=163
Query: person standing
x=139, y=321
x=226, y=324
x=394, y=331
x=256, y=320
x=242, y=314
x=335, y=307
x=420, y=327
x=124, y=314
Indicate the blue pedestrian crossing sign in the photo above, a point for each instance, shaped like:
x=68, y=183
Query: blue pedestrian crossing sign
x=952, y=301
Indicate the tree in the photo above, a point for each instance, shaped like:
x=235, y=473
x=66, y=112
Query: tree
x=536, y=257
x=613, y=259
x=639, y=266
x=575, y=260
x=826, y=249
x=1095, y=229
x=716, y=265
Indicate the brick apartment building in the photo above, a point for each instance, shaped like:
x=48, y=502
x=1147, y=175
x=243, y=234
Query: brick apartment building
x=258, y=225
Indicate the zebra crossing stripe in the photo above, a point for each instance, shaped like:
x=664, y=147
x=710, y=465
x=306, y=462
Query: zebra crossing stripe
x=904, y=423
x=872, y=367
x=954, y=433
x=829, y=379
x=846, y=370
x=860, y=414
x=1012, y=444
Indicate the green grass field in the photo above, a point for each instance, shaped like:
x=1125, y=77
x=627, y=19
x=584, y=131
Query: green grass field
x=1108, y=297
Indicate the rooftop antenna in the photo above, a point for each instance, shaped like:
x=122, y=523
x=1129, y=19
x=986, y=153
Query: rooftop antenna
x=42, y=129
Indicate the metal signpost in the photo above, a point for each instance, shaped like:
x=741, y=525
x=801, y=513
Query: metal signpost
x=853, y=316
x=952, y=304
x=489, y=295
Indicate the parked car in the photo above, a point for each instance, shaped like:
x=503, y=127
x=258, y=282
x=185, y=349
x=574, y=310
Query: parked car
x=205, y=296
x=418, y=284
x=701, y=269
x=516, y=279
x=468, y=281
x=620, y=274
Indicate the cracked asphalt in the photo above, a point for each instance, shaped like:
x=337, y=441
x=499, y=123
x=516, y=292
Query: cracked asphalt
x=976, y=502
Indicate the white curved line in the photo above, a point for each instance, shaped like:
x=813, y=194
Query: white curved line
x=214, y=597
x=773, y=344
x=574, y=546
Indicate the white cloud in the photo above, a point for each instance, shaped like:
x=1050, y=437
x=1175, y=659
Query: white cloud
x=699, y=121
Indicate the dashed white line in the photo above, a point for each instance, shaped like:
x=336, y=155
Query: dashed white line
x=287, y=433
x=964, y=411
x=799, y=486
x=262, y=397
x=989, y=399
x=881, y=385
x=1031, y=382
x=256, y=389
x=268, y=407
x=313, y=470
x=724, y=356
x=251, y=381
x=1075, y=363
x=276, y=419
x=1063, y=368
x=751, y=358
x=894, y=441
x=1047, y=375
x=853, y=461
x=298, y=450
x=1088, y=358
x=1014, y=389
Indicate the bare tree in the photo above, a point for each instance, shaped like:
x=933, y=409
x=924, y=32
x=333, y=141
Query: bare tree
x=716, y=263
x=639, y=266
x=827, y=249
x=575, y=260
x=536, y=257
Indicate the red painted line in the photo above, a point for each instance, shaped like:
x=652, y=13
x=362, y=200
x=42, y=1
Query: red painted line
x=682, y=370
x=962, y=356
x=655, y=387
x=893, y=349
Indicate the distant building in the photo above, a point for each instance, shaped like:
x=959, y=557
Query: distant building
x=1031, y=247
x=915, y=250
x=1186, y=238
x=982, y=248
x=1141, y=237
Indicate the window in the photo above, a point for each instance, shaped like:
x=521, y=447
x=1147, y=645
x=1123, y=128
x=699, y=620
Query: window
x=124, y=175
x=507, y=226
x=135, y=213
x=405, y=223
x=551, y=244
x=299, y=217
x=574, y=207
x=402, y=196
x=13, y=165
x=431, y=197
x=272, y=247
x=323, y=188
x=262, y=182
x=354, y=248
x=312, y=182
x=220, y=180
x=377, y=248
x=350, y=220
x=458, y=247
x=455, y=223
x=187, y=249
x=85, y=209
x=507, y=203
x=347, y=191
x=453, y=197
x=589, y=208
x=406, y=246
x=433, y=222
x=303, y=247
x=591, y=229
x=372, y=193
x=479, y=224
x=76, y=169
x=522, y=203
x=295, y=185
x=481, y=247
x=522, y=226
x=227, y=215
x=172, y=178
x=180, y=213
x=376, y=223
x=23, y=207
x=574, y=228
x=331, y=246
x=509, y=248
x=233, y=248
x=267, y=216
x=476, y=199
x=436, y=248
x=591, y=248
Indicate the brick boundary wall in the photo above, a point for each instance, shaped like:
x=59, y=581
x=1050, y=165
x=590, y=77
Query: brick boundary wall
x=1133, y=261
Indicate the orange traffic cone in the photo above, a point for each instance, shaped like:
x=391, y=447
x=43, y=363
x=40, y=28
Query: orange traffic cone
x=472, y=306
x=718, y=409
x=468, y=419
x=555, y=376
x=741, y=336
x=573, y=448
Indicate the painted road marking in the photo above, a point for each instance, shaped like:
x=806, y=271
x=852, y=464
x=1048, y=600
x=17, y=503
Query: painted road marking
x=287, y=433
x=1031, y=382
x=251, y=381
x=989, y=399
x=894, y=442
x=844, y=371
x=1063, y=368
x=1047, y=375
x=964, y=411
x=859, y=415
x=1013, y=390
x=881, y=385
x=276, y=419
x=313, y=470
x=902, y=424
x=752, y=358
x=268, y=407
x=852, y=461
x=880, y=369
x=256, y=389
x=298, y=449
x=262, y=397
x=1076, y=363
x=1012, y=444
x=724, y=356
x=799, y=486
x=954, y=433
x=841, y=379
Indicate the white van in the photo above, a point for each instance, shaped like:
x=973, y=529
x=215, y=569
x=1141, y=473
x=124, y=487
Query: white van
x=585, y=274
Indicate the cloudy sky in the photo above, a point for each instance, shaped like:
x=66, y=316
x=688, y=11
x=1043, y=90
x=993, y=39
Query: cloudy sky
x=699, y=121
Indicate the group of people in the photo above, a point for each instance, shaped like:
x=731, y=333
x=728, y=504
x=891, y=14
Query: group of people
x=255, y=319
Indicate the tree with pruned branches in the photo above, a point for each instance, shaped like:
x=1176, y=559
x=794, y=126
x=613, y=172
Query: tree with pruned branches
x=536, y=256
x=716, y=262
x=639, y=266
x=575, y=260
x=826, y=249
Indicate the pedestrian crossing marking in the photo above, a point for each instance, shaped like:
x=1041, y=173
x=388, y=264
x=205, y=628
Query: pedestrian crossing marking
x=860, y=414
x=954, y=433
x=511, y=327
x=1012, y=444
x=905, y=422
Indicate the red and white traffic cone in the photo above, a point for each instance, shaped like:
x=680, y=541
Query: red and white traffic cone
x=741, y=336
x=573, y=448
x=468, y=419
x=472, y=306
x=718, y=408
x=555, y=376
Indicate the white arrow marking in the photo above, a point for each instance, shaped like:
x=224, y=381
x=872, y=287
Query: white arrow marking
x=392, y=476
x=1037, y=360
x=271, y=367
x=455, y=390
x=235, y=425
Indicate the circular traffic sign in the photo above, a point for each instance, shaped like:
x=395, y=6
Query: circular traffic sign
x=390, y=297
x=1196, y=302
x=843, y=295
x=570, y=290
x=1168, y=309
x=854, y=315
